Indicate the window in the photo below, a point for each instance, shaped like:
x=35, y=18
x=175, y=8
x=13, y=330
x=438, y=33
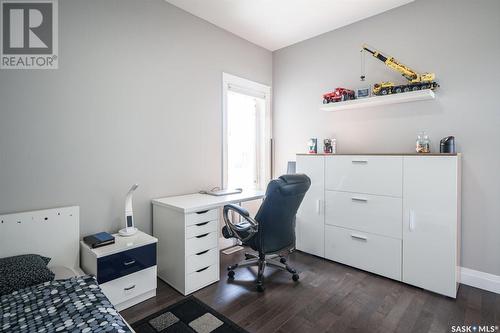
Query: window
x=246, y=134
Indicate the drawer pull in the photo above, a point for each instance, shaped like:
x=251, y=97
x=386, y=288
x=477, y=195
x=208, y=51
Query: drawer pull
x=359, y=199
x=202, y=212
x=411, y=223
x=128, y=263
x=318, y=207
x=200, y=224
x=201, y=270
x=201, y=236
x=202, y=252
x=129, y=288
x=360, y=162
x=359, y=237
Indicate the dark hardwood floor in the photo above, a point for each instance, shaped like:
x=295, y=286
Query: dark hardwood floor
x=330, y=297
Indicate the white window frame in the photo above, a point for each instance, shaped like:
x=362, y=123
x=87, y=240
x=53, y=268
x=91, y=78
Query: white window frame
x=265, y=158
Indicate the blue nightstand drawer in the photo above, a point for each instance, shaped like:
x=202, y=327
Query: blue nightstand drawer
x=127, y=262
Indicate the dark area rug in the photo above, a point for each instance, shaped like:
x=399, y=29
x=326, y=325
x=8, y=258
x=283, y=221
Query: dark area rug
x=188, y=315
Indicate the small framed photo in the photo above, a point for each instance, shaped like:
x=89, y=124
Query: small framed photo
x=363, y=92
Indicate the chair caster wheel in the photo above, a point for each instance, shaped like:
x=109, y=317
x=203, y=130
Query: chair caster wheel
x=283, y=260
x=260, y=288
x=295, y=277
x=230, y=274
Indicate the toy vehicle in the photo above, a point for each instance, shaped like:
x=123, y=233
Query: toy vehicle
x=416, y=81
x=339, y=95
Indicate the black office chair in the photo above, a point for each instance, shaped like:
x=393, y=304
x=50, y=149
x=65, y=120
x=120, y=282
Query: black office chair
x=273, y=229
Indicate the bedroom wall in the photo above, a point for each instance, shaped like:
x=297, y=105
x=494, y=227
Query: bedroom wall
x=136, y=99
x=457, y=39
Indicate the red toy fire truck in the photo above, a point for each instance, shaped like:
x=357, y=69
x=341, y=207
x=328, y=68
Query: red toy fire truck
x=339, y=95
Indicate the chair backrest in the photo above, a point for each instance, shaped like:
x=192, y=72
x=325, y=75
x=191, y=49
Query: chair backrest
x=276, y=215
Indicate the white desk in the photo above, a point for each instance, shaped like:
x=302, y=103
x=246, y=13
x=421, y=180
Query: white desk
x=187, y=228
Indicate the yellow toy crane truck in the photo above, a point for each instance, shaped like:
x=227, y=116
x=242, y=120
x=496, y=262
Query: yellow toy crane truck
x=416, y=81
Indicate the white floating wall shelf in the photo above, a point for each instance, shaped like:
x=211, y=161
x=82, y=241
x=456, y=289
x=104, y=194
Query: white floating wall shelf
x=411, y=96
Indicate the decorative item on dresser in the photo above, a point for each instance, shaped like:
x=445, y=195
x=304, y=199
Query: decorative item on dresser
x=394, y=215
x=125, y=270
x=187, y=228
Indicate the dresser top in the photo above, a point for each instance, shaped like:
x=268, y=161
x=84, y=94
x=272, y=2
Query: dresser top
x=122, y=244
x=191, y=203
x=382, y=154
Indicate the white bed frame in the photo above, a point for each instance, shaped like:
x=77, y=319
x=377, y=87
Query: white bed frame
x=54, y=233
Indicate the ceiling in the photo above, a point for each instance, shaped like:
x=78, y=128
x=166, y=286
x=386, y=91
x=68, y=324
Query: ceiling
x=274, y=24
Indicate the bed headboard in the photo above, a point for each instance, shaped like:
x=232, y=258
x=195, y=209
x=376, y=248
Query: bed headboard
x=53, y=233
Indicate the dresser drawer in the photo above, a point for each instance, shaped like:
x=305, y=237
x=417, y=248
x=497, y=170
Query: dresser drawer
x=126, y=262
x=379, y=215
x=201, y=278
x=130, y=286
x=201, y=228
x=382, y=175
x=377, y=254
x=201, y=259
x=201, y=243
x=203, y=216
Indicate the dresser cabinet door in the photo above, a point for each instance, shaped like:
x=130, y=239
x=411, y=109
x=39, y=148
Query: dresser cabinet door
x=310, y=223
x=430, y=222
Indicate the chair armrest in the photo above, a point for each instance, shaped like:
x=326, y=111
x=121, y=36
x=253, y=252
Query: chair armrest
x=243, y=230
x=240, y=210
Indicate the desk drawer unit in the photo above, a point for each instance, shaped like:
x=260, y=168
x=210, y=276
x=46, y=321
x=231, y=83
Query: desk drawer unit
x=124, y=263
x=381, y=175
x=201, y=228
x=377, y=254
x=202, y=216
x=202, y=277
x=187, y=228
x=376, y=214
x=201, y=260
x=201, y=243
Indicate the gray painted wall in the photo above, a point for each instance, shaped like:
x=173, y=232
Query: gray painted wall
x=136, y=98
x=457, y=39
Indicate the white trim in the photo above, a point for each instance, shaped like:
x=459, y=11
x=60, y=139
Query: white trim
x=232, y=82
x=481, y=280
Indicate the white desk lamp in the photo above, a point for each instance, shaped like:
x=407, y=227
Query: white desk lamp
x=129, y=229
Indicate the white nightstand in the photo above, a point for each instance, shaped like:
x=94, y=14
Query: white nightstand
x=125, y=270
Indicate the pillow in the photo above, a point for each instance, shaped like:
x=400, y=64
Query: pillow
x=23, y=271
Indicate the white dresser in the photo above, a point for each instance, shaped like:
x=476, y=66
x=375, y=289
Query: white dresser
x=394, y=215
x=125, y=270
x=187, y=228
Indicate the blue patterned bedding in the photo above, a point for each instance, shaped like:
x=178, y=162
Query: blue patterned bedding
x=73, y=305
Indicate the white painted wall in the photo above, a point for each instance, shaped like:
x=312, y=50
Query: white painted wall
x=136, y=99
x=457, y=39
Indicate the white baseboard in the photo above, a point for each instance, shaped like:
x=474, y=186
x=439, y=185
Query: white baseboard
x=480, y=280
